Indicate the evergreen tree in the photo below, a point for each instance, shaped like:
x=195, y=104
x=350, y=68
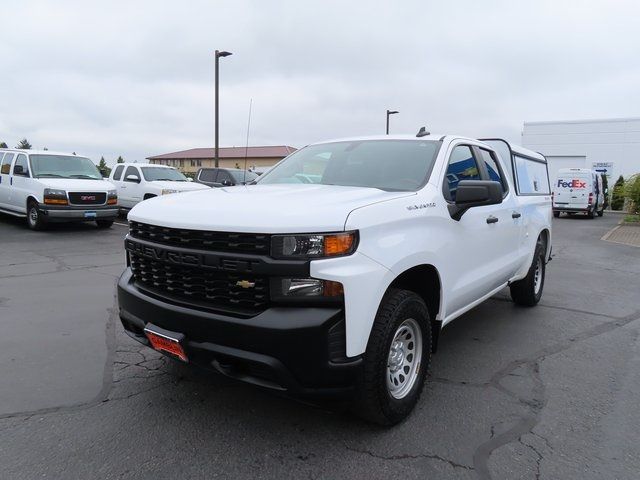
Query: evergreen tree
x=605, y=190
x=104, y=169
x=24, y=144
x=4, y=145
x=120, y=159
x=617, y=198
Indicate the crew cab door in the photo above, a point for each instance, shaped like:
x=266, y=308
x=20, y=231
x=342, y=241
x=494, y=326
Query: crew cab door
x=483, y=253
x=5, y=179
x=20, y=184
x=131, y=187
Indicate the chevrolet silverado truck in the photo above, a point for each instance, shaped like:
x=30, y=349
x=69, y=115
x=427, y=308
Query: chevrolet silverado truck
x=341, y=286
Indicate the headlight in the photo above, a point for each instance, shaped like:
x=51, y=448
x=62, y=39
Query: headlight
x=166, y=191
x=53, y=196
x=283, y=289
x=314, y=245
x=112, y=197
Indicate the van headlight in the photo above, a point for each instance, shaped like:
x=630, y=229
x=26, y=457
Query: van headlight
x=54, y=196
x=314, y=245
x=167, y=191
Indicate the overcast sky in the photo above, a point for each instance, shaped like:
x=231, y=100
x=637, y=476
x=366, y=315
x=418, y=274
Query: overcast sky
x=135, y=78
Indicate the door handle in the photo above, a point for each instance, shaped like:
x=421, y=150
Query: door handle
x=516, y=215
x=492, y=219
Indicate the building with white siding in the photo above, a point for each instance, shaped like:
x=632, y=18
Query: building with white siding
x=611, y=146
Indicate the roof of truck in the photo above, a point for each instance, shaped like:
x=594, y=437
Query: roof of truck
x=31, y=151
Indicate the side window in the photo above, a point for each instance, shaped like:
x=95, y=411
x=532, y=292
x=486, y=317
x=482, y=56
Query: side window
x=118, y=172
x=462, y=166
x=493, y=169
x=21, y=167
x=208, y=175
x=5, y=168
x=224, y=175
x=131, y=171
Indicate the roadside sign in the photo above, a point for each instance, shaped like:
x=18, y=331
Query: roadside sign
x=603, y=167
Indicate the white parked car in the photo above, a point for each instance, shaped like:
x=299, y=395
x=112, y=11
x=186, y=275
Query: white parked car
x=578, y=190
x=140, y=181
x=46, y=186
x=342, y=284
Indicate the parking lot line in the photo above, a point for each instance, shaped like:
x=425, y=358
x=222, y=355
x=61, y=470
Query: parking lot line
x=121, y=224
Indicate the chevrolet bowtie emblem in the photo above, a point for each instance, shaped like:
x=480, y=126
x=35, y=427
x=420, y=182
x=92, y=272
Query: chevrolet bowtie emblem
x=245, y=284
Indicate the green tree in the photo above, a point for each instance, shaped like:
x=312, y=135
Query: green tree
x=4, y=145
x=120, y=159
x=617, y=197
x=104, y=169
x=24, y=144
x=605, y=190
x=632, y=193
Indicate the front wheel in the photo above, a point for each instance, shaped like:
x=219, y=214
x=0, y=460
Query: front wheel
x=396, y=360
x=528, y=291
x=34, y=217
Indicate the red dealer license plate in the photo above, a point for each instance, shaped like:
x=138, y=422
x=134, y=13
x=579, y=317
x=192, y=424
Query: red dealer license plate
x=166, y=342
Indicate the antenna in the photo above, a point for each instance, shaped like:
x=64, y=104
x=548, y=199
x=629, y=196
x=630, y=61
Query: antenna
x=246, y=148
x=422, y=133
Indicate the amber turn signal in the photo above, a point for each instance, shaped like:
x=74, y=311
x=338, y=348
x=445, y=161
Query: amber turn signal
x=338, y=244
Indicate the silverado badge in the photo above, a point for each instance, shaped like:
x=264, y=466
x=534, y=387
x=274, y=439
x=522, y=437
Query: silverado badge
x=245, y=284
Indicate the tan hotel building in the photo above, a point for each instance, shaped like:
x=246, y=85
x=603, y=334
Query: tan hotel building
x=189, y=161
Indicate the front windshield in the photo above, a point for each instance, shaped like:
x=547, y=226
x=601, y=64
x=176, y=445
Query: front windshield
x=397, y=165
x=242, y=176
x=162, y=173
x=63, y=166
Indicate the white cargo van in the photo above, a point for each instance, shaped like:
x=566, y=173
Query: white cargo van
x=578, y=190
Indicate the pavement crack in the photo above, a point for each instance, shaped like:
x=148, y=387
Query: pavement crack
x=408, y=456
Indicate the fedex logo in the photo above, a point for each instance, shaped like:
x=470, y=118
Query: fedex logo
x=572, y=184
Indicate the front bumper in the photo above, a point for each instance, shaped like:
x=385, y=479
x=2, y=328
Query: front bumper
x=299, y=350
x=79, y=214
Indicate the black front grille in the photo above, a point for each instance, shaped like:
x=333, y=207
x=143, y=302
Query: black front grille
x=243, y=294
x=256, y=243
x=87, y=198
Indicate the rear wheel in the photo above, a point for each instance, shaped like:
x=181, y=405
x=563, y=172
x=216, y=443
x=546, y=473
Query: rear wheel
x=528, y=291
x=591, y=213
x=396, y=360
x=34, y=217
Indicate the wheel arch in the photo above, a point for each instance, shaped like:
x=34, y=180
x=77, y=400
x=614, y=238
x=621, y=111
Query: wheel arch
x=425, y=281
x=545, y=235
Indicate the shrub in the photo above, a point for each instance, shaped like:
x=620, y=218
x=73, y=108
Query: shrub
x=617, y=197
x=632, y=193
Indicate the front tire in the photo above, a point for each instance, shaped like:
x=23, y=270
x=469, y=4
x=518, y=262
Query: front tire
x=35, y=221
x=528, y=291
x=396, y=360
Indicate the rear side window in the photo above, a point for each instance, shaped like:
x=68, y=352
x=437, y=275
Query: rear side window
x=224, y=175
x=21, y=161
x=5, y=168
x=118, y=172
x=531, y=176
x=208, y=175
x=493, y=169
x=462, y=166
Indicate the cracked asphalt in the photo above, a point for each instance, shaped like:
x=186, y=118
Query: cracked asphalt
x=514, y=393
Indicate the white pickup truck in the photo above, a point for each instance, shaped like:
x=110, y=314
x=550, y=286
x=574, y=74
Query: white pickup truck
x=140, y=181
x=341, y=285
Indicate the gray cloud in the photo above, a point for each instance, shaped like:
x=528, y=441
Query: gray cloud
x=135, y=78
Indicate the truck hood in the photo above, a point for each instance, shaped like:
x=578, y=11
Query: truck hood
x=180, y=186
x=77, y=184
x=261, y=208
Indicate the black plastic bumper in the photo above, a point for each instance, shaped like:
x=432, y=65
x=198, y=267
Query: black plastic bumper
x=293, y=349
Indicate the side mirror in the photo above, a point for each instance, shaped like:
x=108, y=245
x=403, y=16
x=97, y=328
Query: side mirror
x=18, y=170
x=103, y=172
x=189, y=179
x=132, y=178
x=227, y=183
x=475, y=193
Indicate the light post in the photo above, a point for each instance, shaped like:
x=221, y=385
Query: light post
x=218, y=55
x=390, y=112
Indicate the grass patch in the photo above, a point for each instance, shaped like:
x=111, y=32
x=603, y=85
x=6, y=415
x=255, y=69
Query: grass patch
x=632, y=219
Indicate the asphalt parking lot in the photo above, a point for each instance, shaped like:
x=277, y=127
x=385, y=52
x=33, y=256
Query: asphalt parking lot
x=550, y=392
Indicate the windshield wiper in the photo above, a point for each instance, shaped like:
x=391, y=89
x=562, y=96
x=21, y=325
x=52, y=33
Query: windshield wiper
x=84, y=176
x=50, y=175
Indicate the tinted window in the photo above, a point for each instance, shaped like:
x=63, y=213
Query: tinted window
x=243, y=176
x=131, y=171
x=22, y=162
x=5, y=169
x=118, y=172
x=531, y=176
x=224, y=175
x=397, y=165
x=207, y=175
x=493, y=168
x=462, y=166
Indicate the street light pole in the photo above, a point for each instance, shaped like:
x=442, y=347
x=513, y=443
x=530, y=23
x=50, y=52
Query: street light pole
x=218, y=55
x=390, y=112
